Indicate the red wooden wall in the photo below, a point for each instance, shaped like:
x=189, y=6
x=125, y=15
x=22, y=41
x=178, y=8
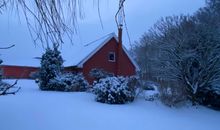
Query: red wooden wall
x=100, y=60
x=17, y=72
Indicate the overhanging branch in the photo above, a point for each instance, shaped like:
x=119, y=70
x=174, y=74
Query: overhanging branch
x=7, y=47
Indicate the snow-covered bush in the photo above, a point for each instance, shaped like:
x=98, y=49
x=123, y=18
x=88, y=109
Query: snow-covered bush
x=114, y=90
x=57, y=84
x=133, y=81
x=151, y=95
x=147, y=89
x=98, y=73
x=68, y=82
x=172, y=95
x=51, y=66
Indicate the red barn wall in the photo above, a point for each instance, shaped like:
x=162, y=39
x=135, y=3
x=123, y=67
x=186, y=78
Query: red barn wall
x=18, y=72
x=100, y=60
x=72, y=69
x=126, y=67
x=24, y=72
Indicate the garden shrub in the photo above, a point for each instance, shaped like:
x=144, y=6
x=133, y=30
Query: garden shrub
x=173, y=94
x=98, y=73
x=68, y=82
x=114, y=90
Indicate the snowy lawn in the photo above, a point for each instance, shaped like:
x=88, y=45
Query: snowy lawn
x=32, y=109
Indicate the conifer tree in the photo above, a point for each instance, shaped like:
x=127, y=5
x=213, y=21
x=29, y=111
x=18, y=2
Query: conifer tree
x=51, y=66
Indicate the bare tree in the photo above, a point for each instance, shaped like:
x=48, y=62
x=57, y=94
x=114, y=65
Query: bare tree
x=5, y=88
x=189, y=51
x=2, y=5
x=48, y=20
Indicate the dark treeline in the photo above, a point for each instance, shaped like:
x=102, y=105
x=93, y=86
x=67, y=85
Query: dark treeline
x=183, y=54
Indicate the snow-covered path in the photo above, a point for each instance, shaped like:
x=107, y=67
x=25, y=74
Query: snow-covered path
x=32, y=109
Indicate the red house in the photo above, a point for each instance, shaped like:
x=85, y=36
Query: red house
x=106, y=53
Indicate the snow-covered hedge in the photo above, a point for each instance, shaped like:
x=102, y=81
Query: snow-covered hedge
x=68, y=82
x=114, y=90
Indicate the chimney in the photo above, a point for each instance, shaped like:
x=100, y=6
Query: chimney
x=120, y=37
x=119, y=49
x=119, y=20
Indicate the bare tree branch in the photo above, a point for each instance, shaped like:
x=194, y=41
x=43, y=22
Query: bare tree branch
x=2, y=5
x=7, y=47
x=4, y=88
x=49, y=21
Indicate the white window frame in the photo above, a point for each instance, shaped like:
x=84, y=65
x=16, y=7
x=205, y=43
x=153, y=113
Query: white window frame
x=111, y=53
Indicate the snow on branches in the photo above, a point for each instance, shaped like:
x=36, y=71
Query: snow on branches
x=114, y=90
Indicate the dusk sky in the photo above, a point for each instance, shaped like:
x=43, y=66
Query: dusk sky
x=140, y=16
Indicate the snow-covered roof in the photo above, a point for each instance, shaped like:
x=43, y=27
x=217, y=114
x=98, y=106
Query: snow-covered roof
x=21, y=55
x=82, y=53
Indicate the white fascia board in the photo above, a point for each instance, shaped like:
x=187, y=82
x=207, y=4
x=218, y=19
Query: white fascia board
x=137, y=68
x=112, y=35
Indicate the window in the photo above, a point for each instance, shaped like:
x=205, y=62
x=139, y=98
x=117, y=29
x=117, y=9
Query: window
x=111, y=56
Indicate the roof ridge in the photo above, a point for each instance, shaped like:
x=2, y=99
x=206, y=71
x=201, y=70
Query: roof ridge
x=109, y=35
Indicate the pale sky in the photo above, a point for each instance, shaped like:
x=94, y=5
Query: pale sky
x=140, y=16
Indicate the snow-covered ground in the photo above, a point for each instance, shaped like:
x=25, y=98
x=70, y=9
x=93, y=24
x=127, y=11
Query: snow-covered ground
x=32, y=109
